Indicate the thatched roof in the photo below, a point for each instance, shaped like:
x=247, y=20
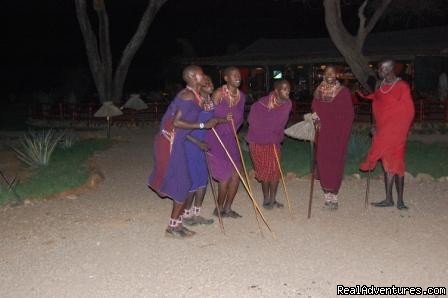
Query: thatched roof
x=108, y=109
x=135, y=102
x=400, y=45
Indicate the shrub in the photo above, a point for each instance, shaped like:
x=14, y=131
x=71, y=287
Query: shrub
x=35, y=147
x=68, y=139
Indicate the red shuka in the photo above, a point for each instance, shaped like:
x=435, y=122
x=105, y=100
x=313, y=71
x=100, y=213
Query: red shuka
x=393, y=109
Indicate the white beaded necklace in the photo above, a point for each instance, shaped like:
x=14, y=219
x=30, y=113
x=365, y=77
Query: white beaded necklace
x=390, y=89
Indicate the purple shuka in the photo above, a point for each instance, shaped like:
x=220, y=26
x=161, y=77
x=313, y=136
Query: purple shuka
x=220, y=166
x=266, y=125
x=197, y=165
x=174, y=182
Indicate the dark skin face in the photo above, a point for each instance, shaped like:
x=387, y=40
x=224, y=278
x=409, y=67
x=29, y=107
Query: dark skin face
x=283, y=91
x=207, y=87
x=233, y=79
x=386, y=71
x=330, y=75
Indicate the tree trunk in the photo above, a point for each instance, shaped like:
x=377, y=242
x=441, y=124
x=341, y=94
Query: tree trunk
x=109, y=85
x=350, y=46
x=91, y=44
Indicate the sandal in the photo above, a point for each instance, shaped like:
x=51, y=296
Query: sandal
x=202, y=221
x=176, y=232
x=268, y=205
x=231, y=214
x=189, y=221
x=277, y=204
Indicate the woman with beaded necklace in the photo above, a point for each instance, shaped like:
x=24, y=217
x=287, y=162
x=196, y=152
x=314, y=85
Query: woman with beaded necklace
x=333, y=114
x=393, y=110
x=229, y=102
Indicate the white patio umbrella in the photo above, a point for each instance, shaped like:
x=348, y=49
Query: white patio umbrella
x=108, y=110
x=135, y=103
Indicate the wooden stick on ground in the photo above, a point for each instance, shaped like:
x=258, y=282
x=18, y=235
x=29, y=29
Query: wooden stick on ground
x=244, y=182
x=313, y=169
x=283, y=180
x=366, y=201
x=245, y=173
x=221, y=224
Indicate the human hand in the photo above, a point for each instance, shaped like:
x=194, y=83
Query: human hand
x=229, y=117
x=211, y=123
x=204, y=146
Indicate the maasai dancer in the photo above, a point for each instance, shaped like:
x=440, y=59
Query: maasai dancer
x=197, y=165
x=170, y=177
x=333, y=113
x=267, y=120
x=393, y=110
x=229, y=102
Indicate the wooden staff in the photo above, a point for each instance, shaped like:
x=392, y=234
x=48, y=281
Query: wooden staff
x=244, y=182
x=245, y=172
x=313, y=169
x=366, y=200
x=221, y=224
x=283, y=180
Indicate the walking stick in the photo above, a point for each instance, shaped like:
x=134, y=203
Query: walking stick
x=366, y=201
x=244, y=182
x=313, y=169
x=283, y=180
x=245, y=172
x=221, y=224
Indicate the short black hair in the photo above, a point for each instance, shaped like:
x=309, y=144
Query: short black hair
x=188, y=71
x=229, y=69
x=280, y=82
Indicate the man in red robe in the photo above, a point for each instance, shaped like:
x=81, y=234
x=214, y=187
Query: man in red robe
x=393, y=110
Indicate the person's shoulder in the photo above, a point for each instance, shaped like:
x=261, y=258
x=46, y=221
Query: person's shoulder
x=403, y=84
x=186, y=95
x=217, y=95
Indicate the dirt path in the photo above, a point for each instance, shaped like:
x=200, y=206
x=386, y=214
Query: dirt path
x=110, y=242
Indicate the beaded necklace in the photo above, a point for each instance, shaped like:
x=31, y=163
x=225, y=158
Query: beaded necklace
x=233, y=98
x=391, y=86
x=327, y=92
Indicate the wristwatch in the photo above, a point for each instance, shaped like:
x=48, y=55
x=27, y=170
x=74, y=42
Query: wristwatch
x=201, y=125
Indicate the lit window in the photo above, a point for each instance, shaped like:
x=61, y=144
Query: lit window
x=277, y=74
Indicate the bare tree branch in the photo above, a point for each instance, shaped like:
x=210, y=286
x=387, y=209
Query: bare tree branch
x=362, y=17
x=134, y=44
x=379, y=12
x=91, y=45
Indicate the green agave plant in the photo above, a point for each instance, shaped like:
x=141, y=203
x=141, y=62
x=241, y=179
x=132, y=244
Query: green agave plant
x=68, y=139
x=36, y=147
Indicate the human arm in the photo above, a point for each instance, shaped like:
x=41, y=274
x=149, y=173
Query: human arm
x=179, y=123
x=202, y=145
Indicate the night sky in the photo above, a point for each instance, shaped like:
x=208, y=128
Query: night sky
x=43, y=47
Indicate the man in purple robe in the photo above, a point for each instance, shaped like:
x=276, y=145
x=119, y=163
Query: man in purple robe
x=229, y=103
x=170, y=177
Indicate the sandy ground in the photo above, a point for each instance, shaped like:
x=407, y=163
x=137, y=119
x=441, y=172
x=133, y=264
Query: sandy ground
x=109, y=242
